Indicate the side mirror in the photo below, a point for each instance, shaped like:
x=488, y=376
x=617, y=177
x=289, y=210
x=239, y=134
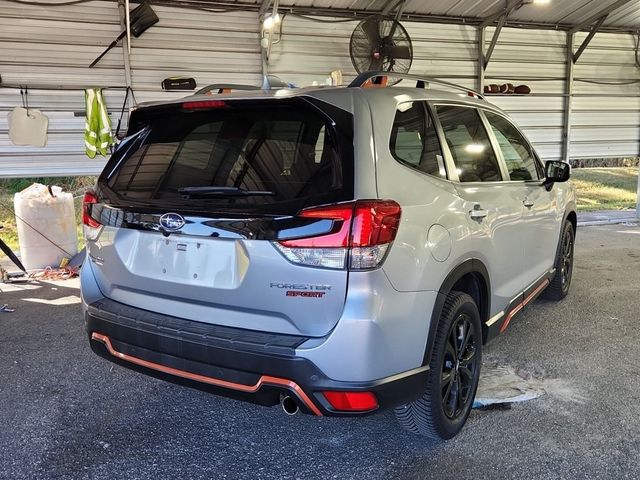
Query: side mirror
x=556, y=171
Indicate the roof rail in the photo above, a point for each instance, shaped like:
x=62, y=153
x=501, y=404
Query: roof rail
x=220, y=87
x=421, y=81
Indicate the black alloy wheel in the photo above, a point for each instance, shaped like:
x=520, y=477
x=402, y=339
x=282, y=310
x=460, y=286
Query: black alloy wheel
x=454, y=370
x=561, y=281
x=458, y=368
x=567, y=259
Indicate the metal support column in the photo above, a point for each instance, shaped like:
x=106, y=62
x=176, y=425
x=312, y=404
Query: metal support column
x=125, y=45
x=638, y=202
x=265, y=51
x=481, y=37
x=568, y=91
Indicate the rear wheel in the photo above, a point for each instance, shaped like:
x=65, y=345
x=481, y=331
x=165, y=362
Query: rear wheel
x=559, y=286
x=454, y=370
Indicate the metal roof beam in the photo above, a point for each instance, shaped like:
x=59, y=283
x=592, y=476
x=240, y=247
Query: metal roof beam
x=390, y=7
x=494, y=41
x=501, y=16
x=505, y=12
x=597, y=16
x=400, y=10
x=588, y=39
x=264, y=7
x=359, y=13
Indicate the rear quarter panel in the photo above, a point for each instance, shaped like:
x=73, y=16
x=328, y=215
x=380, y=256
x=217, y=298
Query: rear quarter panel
x=433, y=236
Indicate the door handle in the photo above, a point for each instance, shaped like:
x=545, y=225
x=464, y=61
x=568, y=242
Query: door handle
x=478, y=213
x=528, y=203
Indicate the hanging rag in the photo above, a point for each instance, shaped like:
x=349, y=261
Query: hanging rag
x=27, y=126
x=97, y=130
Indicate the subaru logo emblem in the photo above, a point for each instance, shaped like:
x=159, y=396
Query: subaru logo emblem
x=172, y=222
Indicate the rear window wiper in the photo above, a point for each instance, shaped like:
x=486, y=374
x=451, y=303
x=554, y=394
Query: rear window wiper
x=222, y=192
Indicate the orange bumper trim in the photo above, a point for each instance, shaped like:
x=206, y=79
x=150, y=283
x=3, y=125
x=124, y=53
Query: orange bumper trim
x=264, y=380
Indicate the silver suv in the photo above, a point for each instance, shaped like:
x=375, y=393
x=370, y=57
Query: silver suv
x=334, y=250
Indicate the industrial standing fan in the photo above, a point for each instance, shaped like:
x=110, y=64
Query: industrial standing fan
x=380, y=43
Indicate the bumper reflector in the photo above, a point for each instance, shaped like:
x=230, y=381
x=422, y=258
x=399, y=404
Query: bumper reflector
x=352, y=401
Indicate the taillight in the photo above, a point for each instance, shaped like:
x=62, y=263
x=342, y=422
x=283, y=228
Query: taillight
x=90, y=225
x=352, y=401
x=361, y=234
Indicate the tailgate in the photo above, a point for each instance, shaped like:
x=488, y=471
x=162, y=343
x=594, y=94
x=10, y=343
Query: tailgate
x=191, y=206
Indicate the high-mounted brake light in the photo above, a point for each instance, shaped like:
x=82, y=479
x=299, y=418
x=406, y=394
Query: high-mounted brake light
x=203, y=104
x=91, y=226
x=361, y=235
x=352, y=401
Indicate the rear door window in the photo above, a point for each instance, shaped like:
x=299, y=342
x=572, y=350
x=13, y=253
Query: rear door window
x=414, y=141
x=300, y=155
x=469, y=144
x=516, y=151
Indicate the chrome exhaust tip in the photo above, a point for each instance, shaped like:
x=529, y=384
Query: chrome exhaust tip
x=289, y=405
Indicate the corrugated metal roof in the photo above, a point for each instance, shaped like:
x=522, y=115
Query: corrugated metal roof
x=563, y=13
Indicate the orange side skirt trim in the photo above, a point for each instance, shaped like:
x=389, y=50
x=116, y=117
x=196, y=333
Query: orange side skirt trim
x=264, y=380
x=520, y=306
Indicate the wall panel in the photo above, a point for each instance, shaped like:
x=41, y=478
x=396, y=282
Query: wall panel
x=606, y=106
x=49, y=49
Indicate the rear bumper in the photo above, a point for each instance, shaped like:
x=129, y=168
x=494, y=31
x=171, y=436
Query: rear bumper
x=237, y=363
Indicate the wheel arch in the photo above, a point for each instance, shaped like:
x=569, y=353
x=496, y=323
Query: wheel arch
x=471, y=277
x=571, y=216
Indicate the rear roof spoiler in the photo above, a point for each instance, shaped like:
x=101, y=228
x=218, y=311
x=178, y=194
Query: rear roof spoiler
x=221, y=87
x=269, y=82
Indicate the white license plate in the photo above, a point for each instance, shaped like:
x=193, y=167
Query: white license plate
x=192, y=261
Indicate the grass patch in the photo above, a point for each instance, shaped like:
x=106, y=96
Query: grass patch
x=605, y=188
x=596, y=188
x=8, y=187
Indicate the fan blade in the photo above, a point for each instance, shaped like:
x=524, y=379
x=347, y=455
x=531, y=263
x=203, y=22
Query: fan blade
x=371, y=29
x=397, y=51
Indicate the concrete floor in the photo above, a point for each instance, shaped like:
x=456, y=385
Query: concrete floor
x=65, y=413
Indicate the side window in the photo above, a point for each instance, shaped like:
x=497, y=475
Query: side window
x=414, y=141
x=516, y=151
x=469, y=143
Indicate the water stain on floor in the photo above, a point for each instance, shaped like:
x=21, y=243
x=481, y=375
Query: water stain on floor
x=504, y=384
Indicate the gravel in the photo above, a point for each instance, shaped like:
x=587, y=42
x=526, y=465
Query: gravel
x=66, y=413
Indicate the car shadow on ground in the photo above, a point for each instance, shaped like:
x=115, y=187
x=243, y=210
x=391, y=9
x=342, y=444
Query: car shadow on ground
x=83, y=416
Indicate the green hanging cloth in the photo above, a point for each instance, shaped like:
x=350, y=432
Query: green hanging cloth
x=97, y=128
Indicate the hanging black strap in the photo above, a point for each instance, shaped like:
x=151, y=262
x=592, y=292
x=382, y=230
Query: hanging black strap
x=124, y=107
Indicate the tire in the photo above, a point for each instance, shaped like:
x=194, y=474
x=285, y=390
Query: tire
x=437, y=414
x=559, y=286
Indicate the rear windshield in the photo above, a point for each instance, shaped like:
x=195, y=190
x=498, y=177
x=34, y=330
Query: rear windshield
x=291, y=153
